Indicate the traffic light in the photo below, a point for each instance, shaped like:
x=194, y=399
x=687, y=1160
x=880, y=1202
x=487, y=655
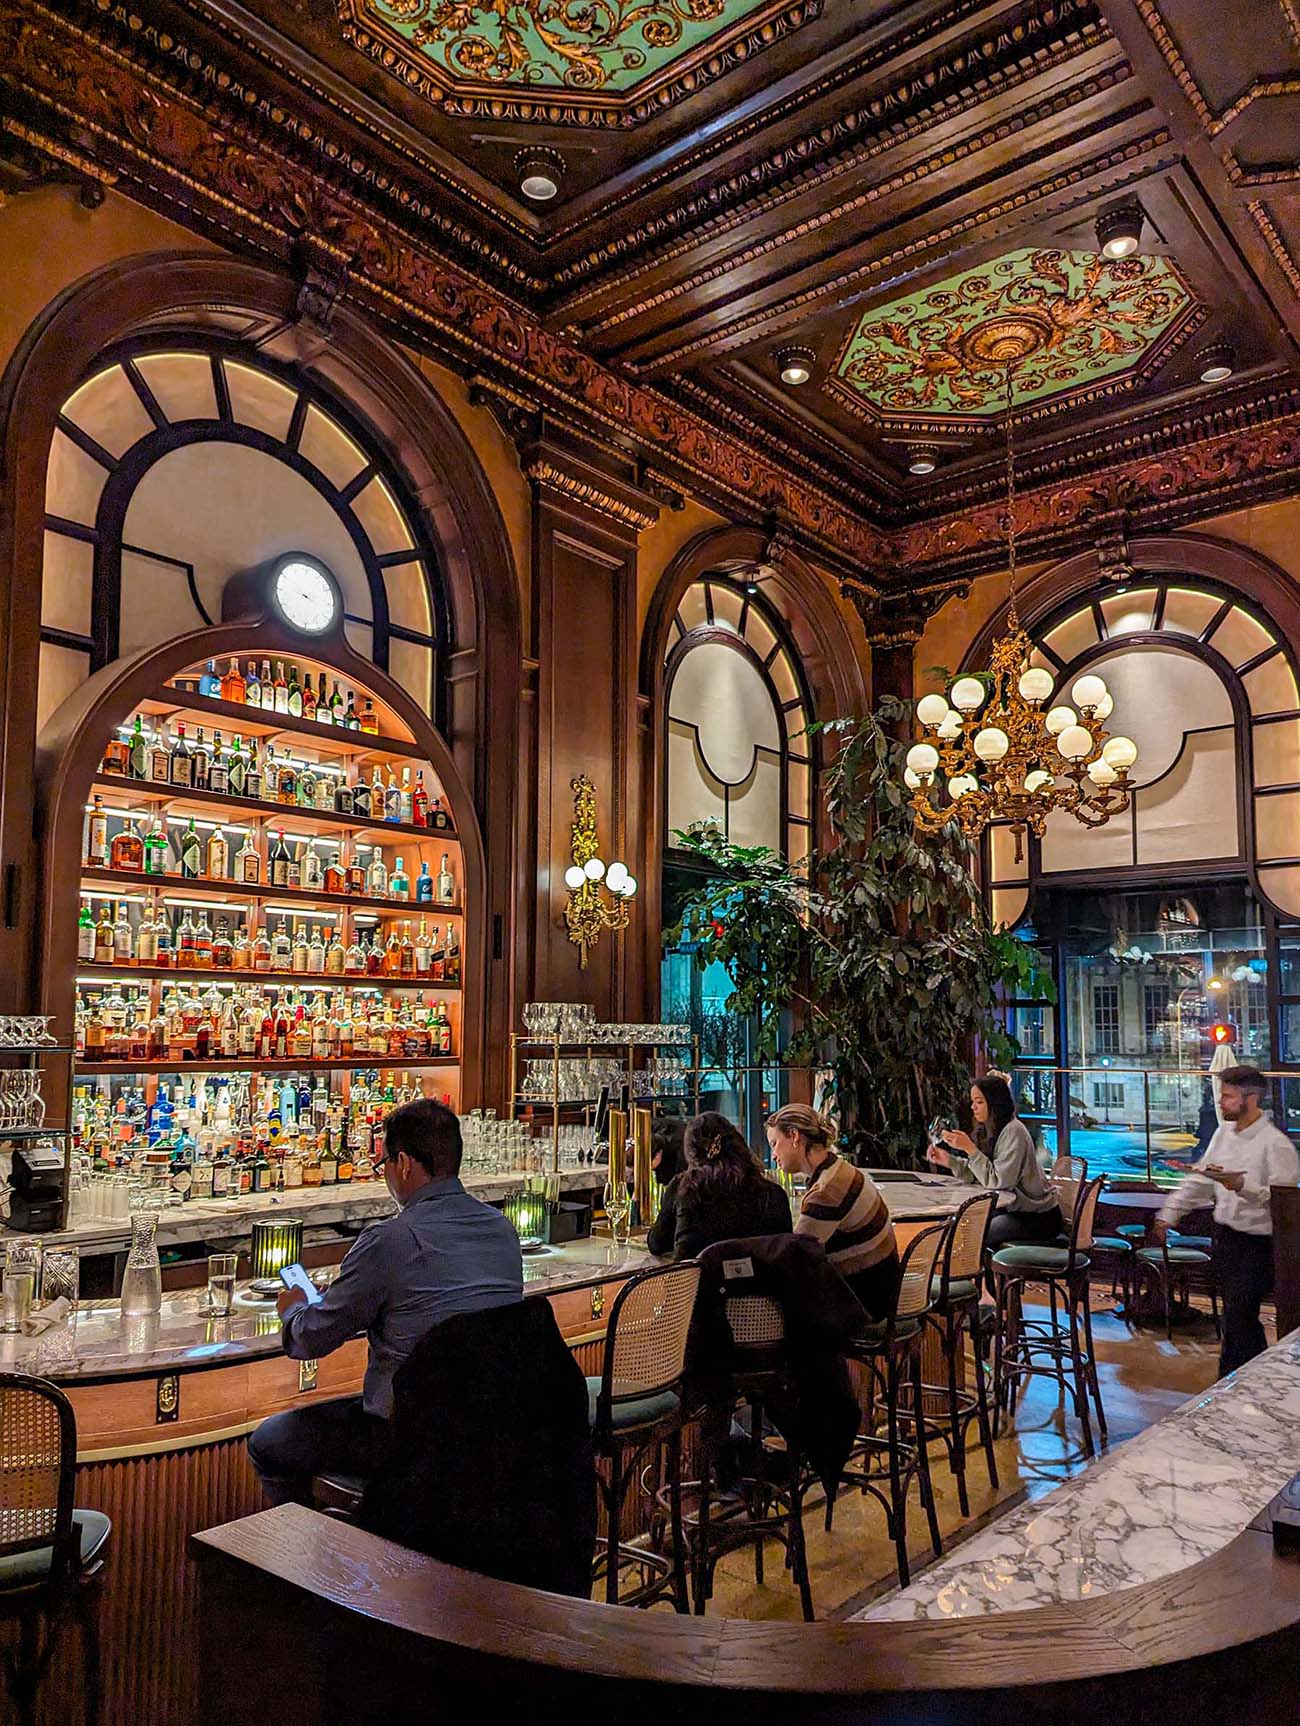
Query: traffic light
x=1223, y=1033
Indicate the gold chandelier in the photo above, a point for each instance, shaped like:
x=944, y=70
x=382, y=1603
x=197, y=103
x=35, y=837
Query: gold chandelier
x=1002, y=751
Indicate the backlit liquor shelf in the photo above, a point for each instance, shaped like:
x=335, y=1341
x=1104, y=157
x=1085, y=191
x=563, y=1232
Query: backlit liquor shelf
x=310, y=980
x=226, y=1064
x=182, y=801
x=126, y=882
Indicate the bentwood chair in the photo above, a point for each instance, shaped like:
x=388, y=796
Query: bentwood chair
x=765, y=1498
x=636, y=1407
x=884, y=1463
x=51, y=1554
x=954, y=1314
x=1027, y=1346
x=1175, y=1266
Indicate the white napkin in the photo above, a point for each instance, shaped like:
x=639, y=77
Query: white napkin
x=47, y=1317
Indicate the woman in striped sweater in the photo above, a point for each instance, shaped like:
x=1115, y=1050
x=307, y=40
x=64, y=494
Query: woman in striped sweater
x=842, y=1207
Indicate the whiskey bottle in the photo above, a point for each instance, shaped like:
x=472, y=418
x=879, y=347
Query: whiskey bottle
x=313, y=870
x=439, y=818
x=86, y=935
x=233, y=686
x=97, y=835
x=392, y=797
x=352, y=719
x=155, y=849
x=200, y=763
x=423, y=951
x=254, y=783
x=369, y=720
x=308, y=698
x=406, y=953
x=293, y=695
x=300, y=953
x=104, y=936
x=181, y=766
x=361, y=799
x=160, y=758
x=334, y=878
x=223, y=953
x=267, y=687
x=279, y=862
x=377, y=876
x=358, y=871
x=452, y=967
x=295, y=865
x=407, y=805
x=137, y=752
x=219, y=768
x=393, y=954
x=116, y=755
x=218, y=855
x=335, y=957
x=308, y=786
x=185, y=941
x=316, y=950
x=262, y=950
x=127, y=849
x=123, y=937
x=248, y=863
x=146, y=938
x=191, y=852
x=446, y=883
x=286, y=781
x=281, y=949
x=342, y=797
x=354, y=959
x=202, y=943
x=280, y=689
x=162, y=930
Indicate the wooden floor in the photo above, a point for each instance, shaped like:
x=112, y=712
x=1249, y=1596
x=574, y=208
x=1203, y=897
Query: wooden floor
x=1142, y=1378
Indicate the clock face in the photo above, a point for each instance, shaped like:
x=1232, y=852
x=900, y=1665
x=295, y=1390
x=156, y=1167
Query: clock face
x=306, y=596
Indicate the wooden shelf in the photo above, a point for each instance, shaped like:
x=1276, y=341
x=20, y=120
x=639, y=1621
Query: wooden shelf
x=182, y=800
x=310, y=979
x=178, y=707
x=354, y=1064
x=205, y=887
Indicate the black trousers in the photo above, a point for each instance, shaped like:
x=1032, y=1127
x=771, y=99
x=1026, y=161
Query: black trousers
x=1244, y=1264
x=288, y=1450
x=1016, y=1228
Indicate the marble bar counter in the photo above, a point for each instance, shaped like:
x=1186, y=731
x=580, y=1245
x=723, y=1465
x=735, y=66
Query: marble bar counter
x=226, y=1222
x=1163, y=1501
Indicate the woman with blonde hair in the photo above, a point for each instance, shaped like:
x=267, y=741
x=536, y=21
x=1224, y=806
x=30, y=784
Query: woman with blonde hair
x=842, y=1207
x=722, y=1194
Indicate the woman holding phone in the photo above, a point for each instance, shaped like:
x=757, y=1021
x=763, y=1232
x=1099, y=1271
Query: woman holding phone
x=1001, y=1155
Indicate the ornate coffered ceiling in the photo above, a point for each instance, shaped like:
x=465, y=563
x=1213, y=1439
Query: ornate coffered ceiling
x=905, y=188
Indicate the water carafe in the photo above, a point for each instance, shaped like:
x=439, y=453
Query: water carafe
x=142, y=1279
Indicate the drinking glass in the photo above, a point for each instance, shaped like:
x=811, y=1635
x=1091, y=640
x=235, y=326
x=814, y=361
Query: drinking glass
x=60, y=1275
x=221, y=1282
x=22, y=1263
x=618, y=1209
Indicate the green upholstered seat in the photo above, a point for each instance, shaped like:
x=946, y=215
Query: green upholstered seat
x=1027, y=1257
x=636, y=1411
x=959, y=1289
x=1177, y=1256
x=1202, y=1243
x=1132, y=1231
x=20, y=1568
x=873, y=1336
x=1111, y=1244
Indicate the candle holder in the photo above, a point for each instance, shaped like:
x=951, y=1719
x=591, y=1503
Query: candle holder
x=274, y=1245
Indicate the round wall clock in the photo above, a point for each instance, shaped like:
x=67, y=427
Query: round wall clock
x=305, y=594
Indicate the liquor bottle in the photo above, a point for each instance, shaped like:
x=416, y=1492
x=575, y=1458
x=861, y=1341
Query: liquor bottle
x=286, y=781
x=313, y=870
x=374, y=956
x=279, y=862
x=123, y=937
x=233, y=685
x=97, y=835
x=237, y=769
x=268, y=687
x=308, y=786
x=209, y=682
x=86, y=935
x=369, y=720
x=160, y=758
x=254, y=783
x=423, y=951
x=419, y=801
x=200, y=763
x=347, y=1168
x=407, y=798
x=117, y=755
x=446, y=883
x=338, y=707
x=191, y=852
x=262, y=950
x=437, y=958
x=253, y=689
x=354, y=959
x=312, y=1175
x=137, y=752
x=127, y=849
x=352, y=719
x=295, y=866
x=185, y=941
x=163, y=936
x=393, y=953
x=281, y=948
x=452, y=967
x=392, y=797
x=181, y=766
x=335, y=957
x=293, y=695
x=146, y=938
x=329, y=1166
x=406, y=953
x=439, y=818
x=218, y=855
x=342, y=797
x=334, y=879
x=308, y=698
x=399, y=882
x=444, y=1030
x=280, y=689
x=203, y=943
x=241, y=951
x=376, y=876
x=248, y=863
x=104, y=936
x=218, y=768
x=424, y=886
x=300, y=953
x=260, y=1180
x=358, y=871
x=155, y=849
x=361, y=799
x=223, y=952
x=316, y=950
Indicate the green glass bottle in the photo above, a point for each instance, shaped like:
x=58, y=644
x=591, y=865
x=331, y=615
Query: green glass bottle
x=155, y=850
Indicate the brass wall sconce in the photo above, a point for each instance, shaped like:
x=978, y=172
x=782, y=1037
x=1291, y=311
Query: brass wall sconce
x=598, y=895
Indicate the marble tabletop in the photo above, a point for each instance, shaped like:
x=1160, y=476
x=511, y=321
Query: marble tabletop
x=1152, y=1506
x=100, y=1343
x=920, y=1198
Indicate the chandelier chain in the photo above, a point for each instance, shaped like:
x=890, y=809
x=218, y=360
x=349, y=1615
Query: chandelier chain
x=1013, y=614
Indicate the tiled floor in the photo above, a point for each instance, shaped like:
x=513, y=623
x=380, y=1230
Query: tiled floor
x=1142, y=1378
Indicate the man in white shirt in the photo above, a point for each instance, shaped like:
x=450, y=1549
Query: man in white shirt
x=1246, y=1156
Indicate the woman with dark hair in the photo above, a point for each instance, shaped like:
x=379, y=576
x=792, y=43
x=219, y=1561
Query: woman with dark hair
x=722, y=1194
x=1002, y=1155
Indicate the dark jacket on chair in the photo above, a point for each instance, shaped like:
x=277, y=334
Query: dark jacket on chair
x=490, y=1466
x=822, y=1314
x=690, y=1220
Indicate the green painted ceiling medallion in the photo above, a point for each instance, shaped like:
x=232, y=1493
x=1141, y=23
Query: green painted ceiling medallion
x=1064, y=321
x=590, y=46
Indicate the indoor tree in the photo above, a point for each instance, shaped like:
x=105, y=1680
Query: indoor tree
x=880, y=964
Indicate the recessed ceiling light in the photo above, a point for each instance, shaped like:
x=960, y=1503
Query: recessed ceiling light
x=1217, y=363
x=1119, y=231
x=922, y=460
x=795, y=365
x=540, y=173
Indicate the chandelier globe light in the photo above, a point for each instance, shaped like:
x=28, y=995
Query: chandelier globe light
x=1008, y=746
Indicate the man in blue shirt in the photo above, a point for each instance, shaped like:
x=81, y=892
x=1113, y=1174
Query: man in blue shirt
x=443, y=1253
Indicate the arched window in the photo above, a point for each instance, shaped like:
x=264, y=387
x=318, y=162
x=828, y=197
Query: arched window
x=173, y=467
x=736, y=716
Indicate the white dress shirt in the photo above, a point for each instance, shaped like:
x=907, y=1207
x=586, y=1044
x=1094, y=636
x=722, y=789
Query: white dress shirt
x=1263, y=1153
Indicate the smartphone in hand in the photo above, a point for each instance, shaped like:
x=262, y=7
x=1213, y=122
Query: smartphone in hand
x=295, y=1277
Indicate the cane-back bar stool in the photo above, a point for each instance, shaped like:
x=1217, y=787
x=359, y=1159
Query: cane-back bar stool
x=954, y=1314
x=636, y=1407
x=884, y=1463
x=1030, y=1346
x=50, y=1552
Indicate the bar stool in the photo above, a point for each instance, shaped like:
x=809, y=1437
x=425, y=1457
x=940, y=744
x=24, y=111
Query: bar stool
x=51, y=1555
x=1026, y=1347
x=890, y=1351
x=1175, y=1265
x=766, y=1501
x=635, y=1407
x=954, y=1313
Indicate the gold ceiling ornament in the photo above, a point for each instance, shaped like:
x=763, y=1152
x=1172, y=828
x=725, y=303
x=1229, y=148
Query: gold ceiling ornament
x=599, y=896
x=1002, y=751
